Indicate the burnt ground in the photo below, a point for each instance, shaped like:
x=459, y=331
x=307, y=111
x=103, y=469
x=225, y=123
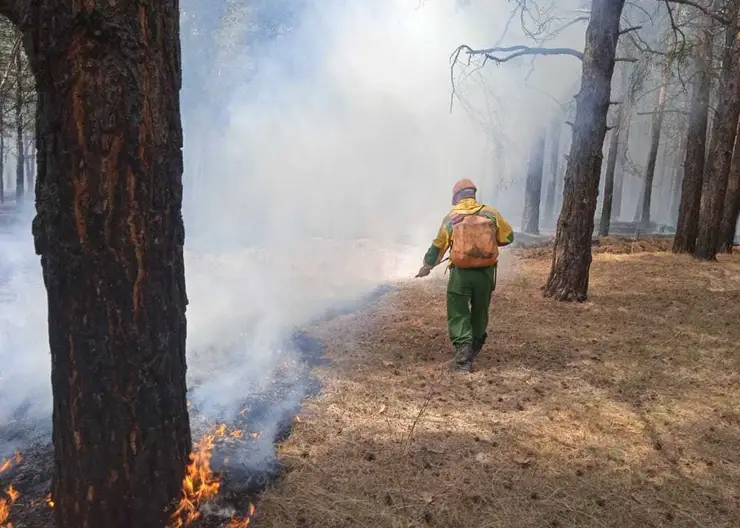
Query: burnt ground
x=620, y=412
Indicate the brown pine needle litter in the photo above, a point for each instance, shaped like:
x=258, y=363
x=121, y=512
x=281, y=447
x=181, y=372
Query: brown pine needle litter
x=620, y=412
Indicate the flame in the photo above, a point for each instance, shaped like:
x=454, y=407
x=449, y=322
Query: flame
x=220, y=430
x=244, y=522
x=244, y=411
x=49, y=501
x=199, y=484
x=6, y=464
x=5, y=505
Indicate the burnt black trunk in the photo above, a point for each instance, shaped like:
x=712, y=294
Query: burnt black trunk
x=687, y=224
x=717, y=171
x=568, y=280
x=533, y=192
x=110, y=234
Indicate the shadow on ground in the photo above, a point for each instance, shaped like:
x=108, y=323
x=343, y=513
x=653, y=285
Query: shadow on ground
x=620, y=412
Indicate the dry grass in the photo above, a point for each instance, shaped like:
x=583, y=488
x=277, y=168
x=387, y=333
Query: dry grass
x=620, y=412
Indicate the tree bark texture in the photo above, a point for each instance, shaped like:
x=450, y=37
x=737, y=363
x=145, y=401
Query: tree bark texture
x=568, y=280
x=556, y=129
x=19, y=172
x=716, y=174
x=533, y=192
x=731, y=209
x=110, y=234
x=655, y=132
x=687, y=224
x=676, y=178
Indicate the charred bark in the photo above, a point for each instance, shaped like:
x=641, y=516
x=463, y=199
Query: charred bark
x=732, y=202
x=19, y=168
x=556, y=129
x=110, y=234
x=533, y=192
x=716, y=174
x=687, y=224
x=568, y=280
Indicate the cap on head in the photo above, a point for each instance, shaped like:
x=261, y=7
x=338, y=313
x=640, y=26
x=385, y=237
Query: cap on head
x=462, y=185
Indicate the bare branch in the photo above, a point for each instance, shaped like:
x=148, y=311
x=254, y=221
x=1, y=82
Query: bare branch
x=625, y=59
x=514, y=52
x=718, y=17
x=629, y=30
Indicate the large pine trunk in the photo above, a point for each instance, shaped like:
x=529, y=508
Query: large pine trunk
x=732, y=201
x=533, y=192
x=110, y=234
x=19, y=169
x=687, y=224
x=568, y=280
x=556, y=128
x=716, y=174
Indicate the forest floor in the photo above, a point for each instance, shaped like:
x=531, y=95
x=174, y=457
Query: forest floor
x=621, y=412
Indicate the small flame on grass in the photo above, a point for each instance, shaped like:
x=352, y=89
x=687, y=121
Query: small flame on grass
x=5, y=505
x=243, y=522
x=244, y=411
x=198, y=486
x=49, y=500
x=6, y=464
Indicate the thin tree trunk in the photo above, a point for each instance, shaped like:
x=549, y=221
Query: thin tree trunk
x=717, y=171
x=655, y=132
x=676, y=178
x=2, y=160
x=556, y=129
x=568, y=280
x=687, y=224
x=110, y=234
x=611, y=164
x=29, y=166
x=617, y=135
x=533, y=192
x=732, y=202
x=19, y=172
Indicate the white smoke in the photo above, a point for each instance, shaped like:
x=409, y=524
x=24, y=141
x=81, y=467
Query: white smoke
x=328, y=177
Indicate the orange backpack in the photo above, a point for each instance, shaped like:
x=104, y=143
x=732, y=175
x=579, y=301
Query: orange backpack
x=474, y=242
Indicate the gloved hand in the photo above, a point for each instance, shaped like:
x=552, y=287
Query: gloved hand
x=424, y=271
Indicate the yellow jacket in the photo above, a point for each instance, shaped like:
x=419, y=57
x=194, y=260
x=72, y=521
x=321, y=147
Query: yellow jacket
x=466, y=206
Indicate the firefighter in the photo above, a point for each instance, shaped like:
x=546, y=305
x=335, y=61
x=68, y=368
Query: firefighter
x=472, y=232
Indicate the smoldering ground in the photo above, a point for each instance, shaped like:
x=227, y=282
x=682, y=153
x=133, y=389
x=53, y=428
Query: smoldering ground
x=322, y=173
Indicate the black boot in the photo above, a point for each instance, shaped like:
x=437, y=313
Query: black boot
x=478, y=345
x=464, y=358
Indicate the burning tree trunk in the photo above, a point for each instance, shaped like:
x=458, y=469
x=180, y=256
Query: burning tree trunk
x=568, y=280
x=533, y=192
x=110, y=234
x=655, y=131
x=732, y=202
x=555, y=130
x=687, y=224
x=717, y=171
x=19, y=172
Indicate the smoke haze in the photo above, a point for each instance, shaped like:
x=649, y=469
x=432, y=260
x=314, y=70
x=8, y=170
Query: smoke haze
x=318, y=165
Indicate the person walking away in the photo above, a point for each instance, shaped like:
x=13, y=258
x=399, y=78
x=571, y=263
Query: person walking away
x=473, y=232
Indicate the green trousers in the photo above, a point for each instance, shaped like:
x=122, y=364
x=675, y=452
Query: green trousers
x=468, y=299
